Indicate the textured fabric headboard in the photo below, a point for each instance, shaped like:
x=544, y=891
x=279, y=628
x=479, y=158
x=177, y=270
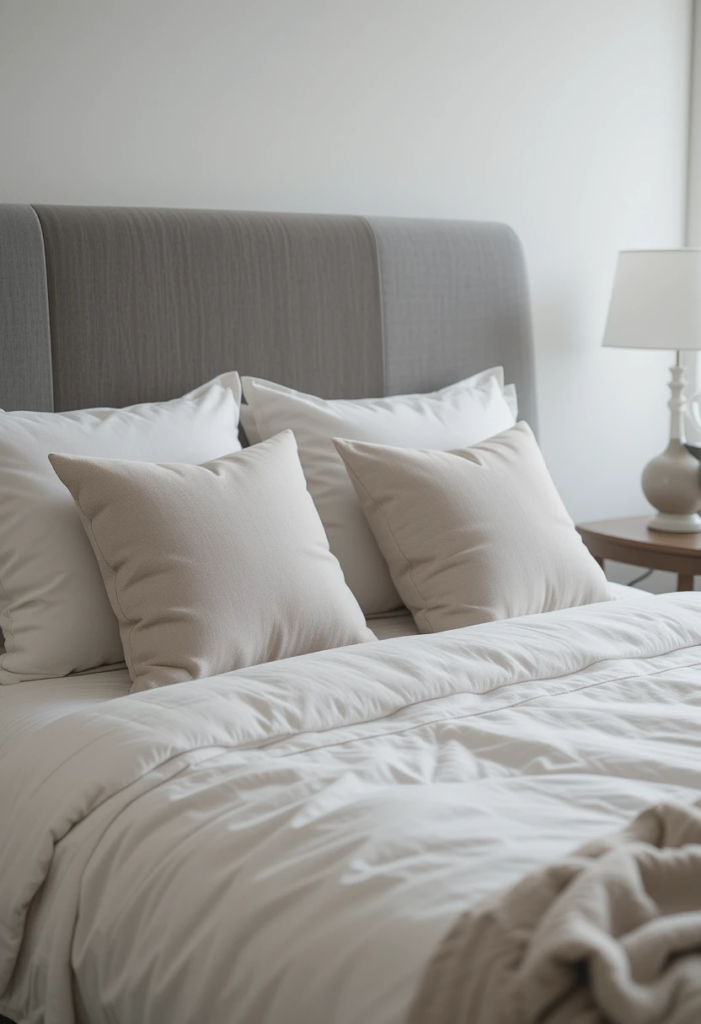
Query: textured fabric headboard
x=111, y=306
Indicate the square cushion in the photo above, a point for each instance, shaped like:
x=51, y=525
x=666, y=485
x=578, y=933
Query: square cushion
x=212, y=568
x=476, y=534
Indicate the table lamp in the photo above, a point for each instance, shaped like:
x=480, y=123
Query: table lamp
x=656, y=303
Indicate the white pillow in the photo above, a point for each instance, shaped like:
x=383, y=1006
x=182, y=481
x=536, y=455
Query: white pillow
x=54, y=612
x=459, y=415
x=511, y=398
x=250, y=429
x=248, y=425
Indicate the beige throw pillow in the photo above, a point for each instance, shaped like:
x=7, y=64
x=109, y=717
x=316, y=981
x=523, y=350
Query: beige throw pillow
x=214, y=567
x=473, y=535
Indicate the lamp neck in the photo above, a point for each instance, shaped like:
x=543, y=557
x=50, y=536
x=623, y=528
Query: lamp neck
x=677, y=402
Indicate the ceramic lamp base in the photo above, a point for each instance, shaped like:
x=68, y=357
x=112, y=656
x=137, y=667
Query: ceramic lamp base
x=671, y=485
x=668, y=523
x=671, y=482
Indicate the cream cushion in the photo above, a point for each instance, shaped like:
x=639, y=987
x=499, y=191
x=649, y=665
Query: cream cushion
x=476, y=534
x=215, y=567
x=461, y=414
x=54, y=612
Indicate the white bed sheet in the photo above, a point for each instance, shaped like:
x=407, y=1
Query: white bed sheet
x=401, y=623
x=27, y=707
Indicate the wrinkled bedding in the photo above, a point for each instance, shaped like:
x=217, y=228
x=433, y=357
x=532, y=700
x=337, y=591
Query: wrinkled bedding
x=291, y=842
x=610, y=933
x=26, y=707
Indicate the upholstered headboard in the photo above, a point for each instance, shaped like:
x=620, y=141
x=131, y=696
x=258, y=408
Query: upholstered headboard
x=110, y=306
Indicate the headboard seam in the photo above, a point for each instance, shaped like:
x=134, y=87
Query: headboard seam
x=26, y=379
x=380, y=298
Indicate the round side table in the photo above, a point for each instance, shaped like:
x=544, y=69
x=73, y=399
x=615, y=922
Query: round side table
x=631, y=542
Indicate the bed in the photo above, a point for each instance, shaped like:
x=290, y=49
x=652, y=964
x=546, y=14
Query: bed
x=291, y=841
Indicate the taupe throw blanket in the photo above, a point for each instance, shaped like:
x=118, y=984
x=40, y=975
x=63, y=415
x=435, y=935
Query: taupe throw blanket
x=611, y=934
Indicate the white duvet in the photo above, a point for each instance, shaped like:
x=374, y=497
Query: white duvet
x=289, y=843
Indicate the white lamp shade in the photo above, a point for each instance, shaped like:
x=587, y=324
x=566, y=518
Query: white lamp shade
x=656, y=300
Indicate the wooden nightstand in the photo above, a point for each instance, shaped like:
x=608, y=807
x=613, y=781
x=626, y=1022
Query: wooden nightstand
x=630, y=541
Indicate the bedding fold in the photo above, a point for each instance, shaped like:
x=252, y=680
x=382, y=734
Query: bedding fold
x=610, y=934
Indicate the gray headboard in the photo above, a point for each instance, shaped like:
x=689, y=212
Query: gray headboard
x=114, y=305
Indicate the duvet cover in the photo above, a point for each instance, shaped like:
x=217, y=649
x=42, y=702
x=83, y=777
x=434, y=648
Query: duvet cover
x=290, y=843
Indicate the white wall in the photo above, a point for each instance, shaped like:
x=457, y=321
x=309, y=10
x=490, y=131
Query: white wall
x=565, y=118
x=694, y=197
